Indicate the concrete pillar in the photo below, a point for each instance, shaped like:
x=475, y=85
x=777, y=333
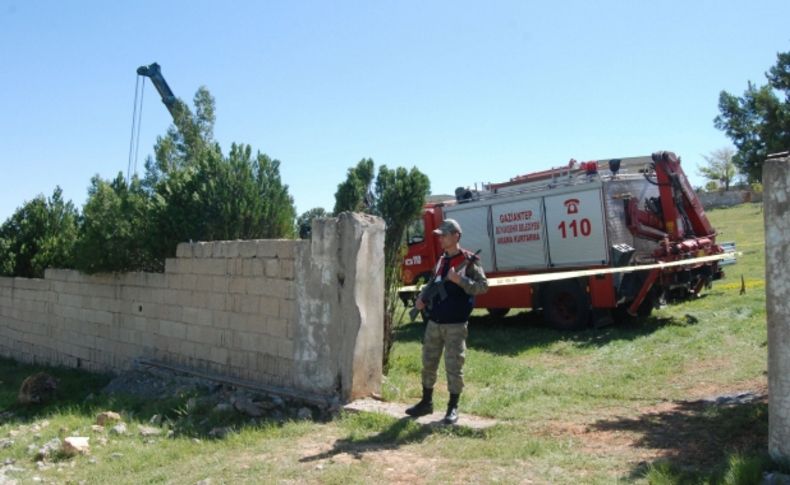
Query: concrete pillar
x=340, y=307
x=776, y=199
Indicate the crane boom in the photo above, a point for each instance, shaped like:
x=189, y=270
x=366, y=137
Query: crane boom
x=154, y=72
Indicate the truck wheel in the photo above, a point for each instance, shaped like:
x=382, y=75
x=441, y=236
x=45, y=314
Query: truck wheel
x=566, y=306
x=498, y=312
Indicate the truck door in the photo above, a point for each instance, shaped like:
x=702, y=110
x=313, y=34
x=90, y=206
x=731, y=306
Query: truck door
x=519, y=235
x=575, y=226
x=474, y=223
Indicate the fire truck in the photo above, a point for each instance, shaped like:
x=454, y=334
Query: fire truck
x=589, y=242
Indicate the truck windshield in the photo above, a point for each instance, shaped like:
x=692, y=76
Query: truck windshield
x=415, y=233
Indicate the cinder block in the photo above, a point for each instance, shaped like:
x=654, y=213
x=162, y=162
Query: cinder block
x=200, y=299
x=239, y=358
x=219, y=284
x=216, y=301
x=184, y=250
x=268, y=345
x=285, y=248
x=248, y=303
x=197, y=316
x=252, y=267
x=156, y=280
x=256, y=286
x=172, y=312
x=235, y=266
x=266, y=364
x=270, y=306
x=237, y=284
x=285, y=348
x=287, y=269
x=266, y=248
x=277, y=327
x=172, y=265
x=209, y=266
x=183, y=298
x=272, y=268
x=219, y=356
x=248, y=249
x=284, y=367
x=287, y=310
x=202, y=250
x=189, y=281
x=176, y=330
x=231, y=249
x=205, y=283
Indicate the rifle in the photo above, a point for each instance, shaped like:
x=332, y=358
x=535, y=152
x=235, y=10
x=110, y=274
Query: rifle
x=436, y=288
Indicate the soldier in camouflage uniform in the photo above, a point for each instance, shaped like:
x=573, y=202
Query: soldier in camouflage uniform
x=447, y=317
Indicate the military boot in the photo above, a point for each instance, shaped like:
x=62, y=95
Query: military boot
x=425, y=406
x=452, y=410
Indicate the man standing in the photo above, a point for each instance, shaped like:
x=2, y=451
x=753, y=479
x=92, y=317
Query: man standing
x=447, y=317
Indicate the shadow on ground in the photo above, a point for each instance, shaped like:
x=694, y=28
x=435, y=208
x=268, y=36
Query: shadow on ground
x=400, y=432
x=522, y=331
x=697, y=435
x=187, y=412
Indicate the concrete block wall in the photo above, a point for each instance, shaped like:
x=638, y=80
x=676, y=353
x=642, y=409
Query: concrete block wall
x=730, y=198
x=302, y=315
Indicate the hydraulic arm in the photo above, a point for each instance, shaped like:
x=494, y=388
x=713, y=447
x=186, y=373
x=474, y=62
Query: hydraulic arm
x=154, y=73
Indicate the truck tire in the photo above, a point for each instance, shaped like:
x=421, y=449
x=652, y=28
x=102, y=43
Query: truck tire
x=498, y=312
x=566, y=306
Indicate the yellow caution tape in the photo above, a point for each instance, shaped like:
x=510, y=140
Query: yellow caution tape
x=562, y=275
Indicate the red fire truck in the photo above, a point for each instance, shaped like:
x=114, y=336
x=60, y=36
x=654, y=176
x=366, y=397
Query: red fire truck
x=584, y=242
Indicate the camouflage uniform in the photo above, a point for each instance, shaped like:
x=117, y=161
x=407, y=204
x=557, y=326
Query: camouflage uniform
x=451, y=337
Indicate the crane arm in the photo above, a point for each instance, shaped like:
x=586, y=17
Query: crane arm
x=154, y=73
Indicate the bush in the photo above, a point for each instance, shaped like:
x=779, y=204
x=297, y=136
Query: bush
x=40, y=234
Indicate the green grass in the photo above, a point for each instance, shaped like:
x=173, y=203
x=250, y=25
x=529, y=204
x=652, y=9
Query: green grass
x=614, y=404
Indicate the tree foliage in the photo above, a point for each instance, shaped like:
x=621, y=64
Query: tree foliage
x=758, y=123
x=305, y=221
x=719, y=167
x=116, y=230
x=354, y=193
x=39, y=235
x=398, y=198
x=191, y=191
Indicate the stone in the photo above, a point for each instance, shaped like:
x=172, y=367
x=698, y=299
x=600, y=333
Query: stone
x=6, y=443
x=107, y=417
x=775, y=478
x=223, y=407
x=149, y=431
x=245, y=405
x=304, y=414
x=75, y=445
x=220, y=432
x=38, y=388
x=46, y=451
x=97, y=429
x=6, y=416
x=119, y=429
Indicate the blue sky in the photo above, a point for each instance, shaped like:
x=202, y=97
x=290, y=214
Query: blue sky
x=466, y=91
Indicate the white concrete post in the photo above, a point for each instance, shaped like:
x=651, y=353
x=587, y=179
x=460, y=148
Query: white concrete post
x=776, y=196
